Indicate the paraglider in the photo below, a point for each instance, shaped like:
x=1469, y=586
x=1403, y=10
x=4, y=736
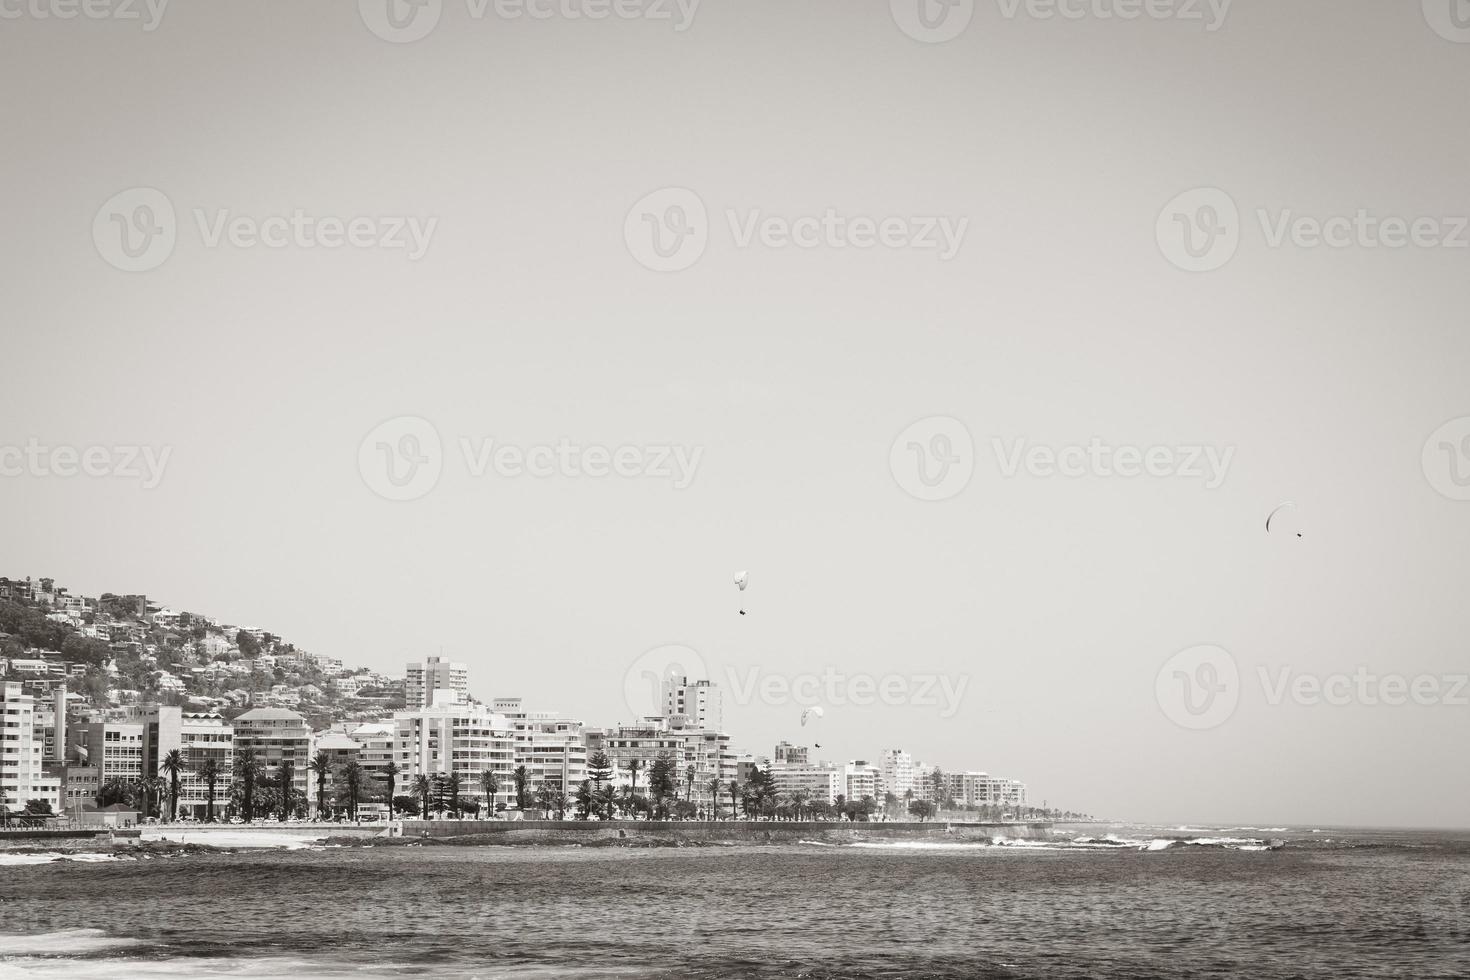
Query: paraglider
x=812, y=712
x=1273, y=516
x=742, y=579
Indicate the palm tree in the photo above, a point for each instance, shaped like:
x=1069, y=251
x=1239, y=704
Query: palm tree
x=633, y=765
x=352, y=774
x=689, y=772
x=321, y=767
x=247, y=767
x=734, y=789
x=607, y=797
x=421, y=788
x=714, y=795
x=210, y=771
x=522, y=775
x=489, y=785
x=287, y=773
x=390, y=773
x=173, y=764
x=452, y=786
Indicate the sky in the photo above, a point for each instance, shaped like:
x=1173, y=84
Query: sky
x=984, y=336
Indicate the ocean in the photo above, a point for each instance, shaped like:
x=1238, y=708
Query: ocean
x=1330, y=905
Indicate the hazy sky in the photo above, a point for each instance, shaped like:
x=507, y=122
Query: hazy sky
x=1059, y=313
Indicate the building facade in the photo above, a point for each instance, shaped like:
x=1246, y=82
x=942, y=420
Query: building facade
x=422, y=679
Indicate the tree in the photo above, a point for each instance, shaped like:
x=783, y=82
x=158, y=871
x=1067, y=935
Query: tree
x=390, y=776
x=286, y=772
x=173, y=764
x=521, y=775
x=321, y=767
x=689, y=773
x=247, y=768
x=599, y=768
x=662, y=784
x=421, y=789
x=406, y=805
x=633, y=766
x=607, y=797
x=586, y=800
x=489, y=785
x=734, y=789
x=922, y=809
x=210, y=771
x=352, y=774
x=546, y=797
x=39, y=808
x=714, y=795
x=451, y=788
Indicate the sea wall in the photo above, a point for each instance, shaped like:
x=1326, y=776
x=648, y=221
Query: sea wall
x=711, y=832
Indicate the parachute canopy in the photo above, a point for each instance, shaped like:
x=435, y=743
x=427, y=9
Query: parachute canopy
x=742, y=579
x=1280, y=516
x=812, y=712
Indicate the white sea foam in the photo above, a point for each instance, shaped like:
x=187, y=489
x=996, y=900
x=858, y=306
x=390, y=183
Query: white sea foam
x=45, y=967
x=46, y=857
x=66, y=942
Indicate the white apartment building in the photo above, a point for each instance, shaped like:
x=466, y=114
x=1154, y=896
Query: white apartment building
x=819, y=782
x=116, y=747
x=422, y=679
x=709, y=752
x=860, y=780
x=276, y=735
x=375, y=741
x=896, y=774
x=701, y=702
x=454, y=736
x=790, y=755
x=22, y=778
x=552, y=748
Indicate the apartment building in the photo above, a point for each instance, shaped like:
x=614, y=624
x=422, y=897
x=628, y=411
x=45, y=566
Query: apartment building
x=860, y=780
x=422, y=679
x=453, y=736
x=553, y=749
x=895, y=774
x=818, y=782
x=275, y=735
x=22, y=753
x=701, y=702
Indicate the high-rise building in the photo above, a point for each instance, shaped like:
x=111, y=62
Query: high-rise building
x=699, y=701
x=422, y=679
x=552, y=748
x=896, y=774
x=196, y=736
x=22, y=777
x=115, y=747
x=861, y=780
x=276, y=735
x=819, y=783
x=790, y=755
x=451, y=736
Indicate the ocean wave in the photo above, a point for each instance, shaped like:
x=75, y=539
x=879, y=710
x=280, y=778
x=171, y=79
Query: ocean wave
x=65, y=942
x=49, y=967
x=47, y=857
x=290, y=842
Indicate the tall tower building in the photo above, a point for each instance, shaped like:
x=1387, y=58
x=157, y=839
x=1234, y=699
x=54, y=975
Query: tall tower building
x=699, y=701
x=421, y=680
